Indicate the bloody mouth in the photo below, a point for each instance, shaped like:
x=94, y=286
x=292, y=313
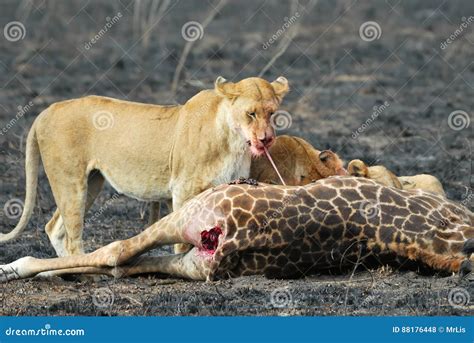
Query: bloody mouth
x=210, y=239
x=256, y=150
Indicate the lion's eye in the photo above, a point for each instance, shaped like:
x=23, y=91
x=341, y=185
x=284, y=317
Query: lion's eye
x=303, y=177
x=251, y=114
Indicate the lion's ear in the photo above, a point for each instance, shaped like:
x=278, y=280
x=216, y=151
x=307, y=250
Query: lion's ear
x=280, y=87
x=324, y=155
x=226, y=89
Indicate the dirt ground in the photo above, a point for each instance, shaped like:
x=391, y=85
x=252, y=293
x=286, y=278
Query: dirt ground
x=421, y=68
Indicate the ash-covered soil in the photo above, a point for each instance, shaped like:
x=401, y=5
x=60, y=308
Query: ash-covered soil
x=337, y=79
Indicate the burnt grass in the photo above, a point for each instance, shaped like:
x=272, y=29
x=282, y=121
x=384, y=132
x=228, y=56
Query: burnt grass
x=336, y=80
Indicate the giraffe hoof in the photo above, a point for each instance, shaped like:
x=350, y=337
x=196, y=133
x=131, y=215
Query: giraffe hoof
x=15, y=270
x=8, y=273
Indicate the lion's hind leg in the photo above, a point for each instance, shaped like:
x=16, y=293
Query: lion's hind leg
x=68, y=241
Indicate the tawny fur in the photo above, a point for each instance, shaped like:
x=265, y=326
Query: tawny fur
x=379, y=174
x=422, y=181
x=385, y=177
x=298, y=162
x=145, y=151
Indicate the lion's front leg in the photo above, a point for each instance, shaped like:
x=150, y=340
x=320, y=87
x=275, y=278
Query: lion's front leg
x=155, y=210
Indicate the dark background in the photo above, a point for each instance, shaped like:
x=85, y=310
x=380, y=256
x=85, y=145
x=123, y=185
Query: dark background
x=336, y=79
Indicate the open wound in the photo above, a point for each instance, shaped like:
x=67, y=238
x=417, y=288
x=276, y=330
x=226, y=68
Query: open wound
x=210, y=239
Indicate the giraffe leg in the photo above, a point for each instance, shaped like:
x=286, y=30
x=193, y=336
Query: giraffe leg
x=179, y=198
x=163, y=232
x=188, y=266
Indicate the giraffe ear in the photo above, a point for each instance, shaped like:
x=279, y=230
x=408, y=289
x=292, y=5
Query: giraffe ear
x=280, y=87
x=226, y=89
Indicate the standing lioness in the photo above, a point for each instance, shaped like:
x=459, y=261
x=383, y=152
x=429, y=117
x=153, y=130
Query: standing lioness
x=148, y=152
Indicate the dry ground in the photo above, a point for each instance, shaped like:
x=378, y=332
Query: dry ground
x=336, y=78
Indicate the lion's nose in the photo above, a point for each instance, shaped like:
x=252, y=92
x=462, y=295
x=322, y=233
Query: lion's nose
x=267, y=140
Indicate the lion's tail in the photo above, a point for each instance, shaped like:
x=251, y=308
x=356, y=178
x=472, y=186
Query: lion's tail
x=31, y=169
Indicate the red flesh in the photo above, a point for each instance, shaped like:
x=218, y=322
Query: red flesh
x=210, y=239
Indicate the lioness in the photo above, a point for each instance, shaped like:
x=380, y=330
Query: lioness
x=379, y=174
x=298, y=162
x=426, y=182
x=148, y=152
x=385, y=177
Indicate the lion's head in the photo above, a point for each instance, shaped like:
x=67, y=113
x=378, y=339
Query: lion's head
x=298, y=162
x=312, y=164
x=358, y=168
x=251, y=103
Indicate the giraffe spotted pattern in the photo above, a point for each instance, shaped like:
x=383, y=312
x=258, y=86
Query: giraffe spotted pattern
x=289, y=231
x=284, y=231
